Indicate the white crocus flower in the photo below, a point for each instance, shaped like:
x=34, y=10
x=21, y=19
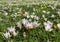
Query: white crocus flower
x=58, y=25
x=34, y=9
x=26, y=12
x=48, y=40
x=53, y=7
x=36, y=17
x=48, y=26
x=33, y=13
x=24, y=34
x=52, y=16
x=36, y=24
x=14, y=15
x=24, y=21
x=6, y=13
x=45, y=19
x=14, y=33
x=11, y=29
x=29, y=26
x=50, y=23
x=32, y=16
x=1, y=19
x=58, y=12
x=44, y=11
x=19, y=24
x=30, y=20
x=43, y=16
x=26, y=15
x=48, y=12
x=7, y=35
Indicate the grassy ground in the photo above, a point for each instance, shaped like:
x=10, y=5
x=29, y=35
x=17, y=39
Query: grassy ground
x=36, y=35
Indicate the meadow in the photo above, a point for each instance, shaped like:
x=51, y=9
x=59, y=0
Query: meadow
x=43, y=21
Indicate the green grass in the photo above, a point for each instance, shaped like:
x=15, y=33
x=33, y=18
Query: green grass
x=36, y=35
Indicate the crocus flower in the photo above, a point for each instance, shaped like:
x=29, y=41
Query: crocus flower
x=48, y=26
x=32, y=16
x=58, y=25
x=29, y=26
x=7, y=35
x=14, y=33
x=52, y=16
x=24, y=34
x=19, y=24
x=24, y=21
x=11, y=29
x=36, y=17
x=26, y=15
x=36, y=24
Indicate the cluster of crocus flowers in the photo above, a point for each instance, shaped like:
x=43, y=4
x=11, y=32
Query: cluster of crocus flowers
x=32, y=16
x=27, y=24
x=5, y=10
x=11, y=31
x=48, y=26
